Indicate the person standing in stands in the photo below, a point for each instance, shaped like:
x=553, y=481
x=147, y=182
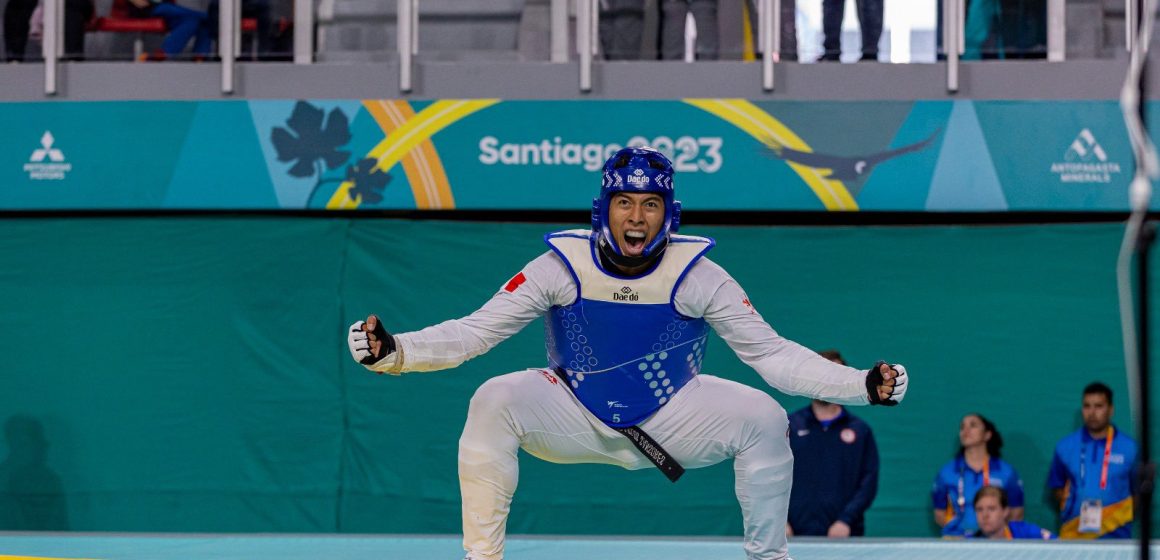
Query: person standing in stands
x=621, y=29
x=869, y=21
x=672, y=32
x=835, y=469
x=1092, y=473
x=976, y=465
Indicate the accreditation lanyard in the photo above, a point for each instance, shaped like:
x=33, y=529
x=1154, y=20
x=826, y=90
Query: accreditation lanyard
x=1083, y=461
x=986, y=480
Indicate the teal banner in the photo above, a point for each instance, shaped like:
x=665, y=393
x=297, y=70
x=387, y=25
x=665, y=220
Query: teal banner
x=191, y=374
x=730, y=154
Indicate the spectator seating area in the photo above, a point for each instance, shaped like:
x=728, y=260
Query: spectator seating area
x=118, y=20
x=364, y=30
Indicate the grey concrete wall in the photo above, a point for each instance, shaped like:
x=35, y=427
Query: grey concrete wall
x=1081, y=79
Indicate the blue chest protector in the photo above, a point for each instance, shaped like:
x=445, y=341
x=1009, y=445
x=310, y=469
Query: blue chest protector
x=622, y=347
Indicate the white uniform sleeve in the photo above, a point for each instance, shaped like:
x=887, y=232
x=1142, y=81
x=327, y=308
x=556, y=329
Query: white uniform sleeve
x=708, y=291
x=547, y=282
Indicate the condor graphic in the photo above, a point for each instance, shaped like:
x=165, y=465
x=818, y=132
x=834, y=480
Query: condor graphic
x=843, y=168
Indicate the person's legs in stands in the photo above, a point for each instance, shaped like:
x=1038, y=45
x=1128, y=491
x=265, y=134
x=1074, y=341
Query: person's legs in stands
x=184, y=24
x=202, y=41
x=979, y=37
x=621, y=29
x=705, y=16
x=870, y=22
x=77, y=14
x=789, y=46
x=16, y=16
x=260, y=11
x=673, y=14
x=832, y=13
x=212, y=16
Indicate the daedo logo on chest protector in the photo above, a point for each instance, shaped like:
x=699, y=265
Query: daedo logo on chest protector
x=625, y=294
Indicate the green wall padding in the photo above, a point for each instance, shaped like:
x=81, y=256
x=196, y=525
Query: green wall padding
x=191, y=374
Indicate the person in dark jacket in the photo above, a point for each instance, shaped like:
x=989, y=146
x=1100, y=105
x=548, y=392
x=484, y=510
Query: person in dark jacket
x=835, y=469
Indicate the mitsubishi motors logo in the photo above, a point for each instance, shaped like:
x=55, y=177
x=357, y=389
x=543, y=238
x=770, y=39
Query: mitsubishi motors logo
x=1085, y=161
x=54, y=169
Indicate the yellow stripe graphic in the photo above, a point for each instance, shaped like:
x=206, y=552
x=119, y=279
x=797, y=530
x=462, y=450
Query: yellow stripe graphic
x=422, y=165
x=771, y=132
x=403, y=139
x=1112, y=517
x=3, y=557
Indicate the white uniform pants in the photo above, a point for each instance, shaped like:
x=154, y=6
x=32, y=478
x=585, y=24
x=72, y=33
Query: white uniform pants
x=709, y=420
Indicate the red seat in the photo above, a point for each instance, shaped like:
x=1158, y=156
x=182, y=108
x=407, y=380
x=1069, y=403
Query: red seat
x=119, y=20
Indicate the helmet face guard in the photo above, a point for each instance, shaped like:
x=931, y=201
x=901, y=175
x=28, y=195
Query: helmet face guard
x=637, y=170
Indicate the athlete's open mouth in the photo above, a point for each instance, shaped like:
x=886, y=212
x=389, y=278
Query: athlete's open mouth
x=634, y=241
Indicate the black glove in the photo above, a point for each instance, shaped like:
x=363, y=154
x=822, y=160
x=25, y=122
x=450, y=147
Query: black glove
x=387, y=348
x=873, y=380
x=358, y=340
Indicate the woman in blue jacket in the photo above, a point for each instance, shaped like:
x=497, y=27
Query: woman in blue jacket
x=977, y=464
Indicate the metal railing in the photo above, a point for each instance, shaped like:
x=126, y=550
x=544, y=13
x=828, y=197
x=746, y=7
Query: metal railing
x=303, y=31
x=229, y=40
x=954, y=15
x=52, y=43
x=1131, y=23
x=587, y=25
x=768, y=38
x=408, y=41
x=1056, y=30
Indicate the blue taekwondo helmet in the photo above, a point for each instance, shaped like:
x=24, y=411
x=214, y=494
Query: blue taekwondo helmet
x=637, y=170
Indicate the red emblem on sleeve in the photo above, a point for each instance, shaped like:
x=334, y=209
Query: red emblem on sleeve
x=514, y=282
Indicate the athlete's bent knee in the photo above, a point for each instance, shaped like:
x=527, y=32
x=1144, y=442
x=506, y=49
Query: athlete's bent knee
x=497, y=393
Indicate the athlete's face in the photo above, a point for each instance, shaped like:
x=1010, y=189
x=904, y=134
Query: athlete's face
x=973, y=432
x=991, y=515
x=635, y=219
x=1097, y=412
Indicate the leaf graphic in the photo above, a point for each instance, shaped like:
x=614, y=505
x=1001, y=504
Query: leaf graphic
x=369, y=181
x=309, y=138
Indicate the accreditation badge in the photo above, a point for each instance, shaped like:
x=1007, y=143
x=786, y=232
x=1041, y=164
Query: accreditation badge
x=1091, y=514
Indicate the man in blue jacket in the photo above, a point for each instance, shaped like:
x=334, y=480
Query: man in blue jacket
x=1092, y=473
x=835, y=469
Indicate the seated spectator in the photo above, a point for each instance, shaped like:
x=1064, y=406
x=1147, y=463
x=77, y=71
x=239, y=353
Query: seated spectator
x=183, y=23
x=976, y=465
x=993, y=516
x=18, y=22
x=835, y=469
